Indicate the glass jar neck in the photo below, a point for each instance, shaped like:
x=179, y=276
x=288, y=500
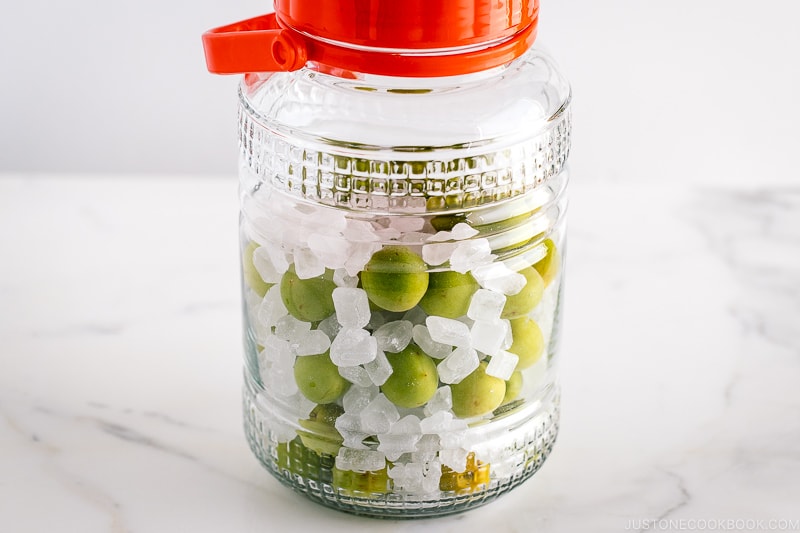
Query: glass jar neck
x=405, y=83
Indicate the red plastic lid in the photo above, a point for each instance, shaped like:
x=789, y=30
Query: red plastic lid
x=390, y=37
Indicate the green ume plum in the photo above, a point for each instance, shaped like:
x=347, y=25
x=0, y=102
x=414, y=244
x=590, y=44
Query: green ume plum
x=251, y=276
x=413, y=380
x=447, y=222
x=318, y=378
x=524, y=301
x=513, y=387
x=318, y=433
x=449, y=294
x=477, y=394
x=395, y=278
x=528, y=342
x=548, y=266
x=309, y=300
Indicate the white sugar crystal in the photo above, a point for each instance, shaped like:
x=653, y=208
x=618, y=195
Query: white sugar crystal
x=271, y=309
x=498, y=277
x=502, y=365
x=442, y=400
x=440, y=236
x=379, y=415
x=388, y=234
x=427, y=449
x=487, y=337
x=406, y=224
x=312, y=343
x=438, y=253
x=429, y=443
x=349, y=427
x=280, y=430
x=414, y=237
x=277, y=257
x=263, y=264
x=432, y=348
x=394, y=336
x=509, y=340
x=416, y=477
x=436, y=423
x=469, y=255
x=357, y=398
x=401, y=438
x=408, y=477
x=332, y=219
x=330, y=326
x=352, y=307
x=275, y=347
x=458, y=365
x=408, y=425
x=260, y=330
x=360, y=231
x=353, y=347
x=333, y=251
x=280, y=374
x=379, y=369
x=415, y=315
x=448, y=331
x=486, y=305
x=433, y=475
x=462, y=231
x=360, y=254
x=289, y=328
x=454, y=436
x=299, y=405
x=356, y=375
x=342, y=279
x=306, y=264
x=360, y=460
x=454, y=459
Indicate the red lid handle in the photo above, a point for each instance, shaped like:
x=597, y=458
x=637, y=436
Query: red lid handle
x=254, y=45
x=388, y=37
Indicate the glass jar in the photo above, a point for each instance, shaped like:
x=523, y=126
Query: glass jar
x=402, y=261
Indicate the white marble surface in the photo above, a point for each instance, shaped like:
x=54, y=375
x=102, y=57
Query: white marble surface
x=120, y=365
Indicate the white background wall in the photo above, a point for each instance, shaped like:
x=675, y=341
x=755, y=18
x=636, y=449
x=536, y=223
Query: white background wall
x=702, y=90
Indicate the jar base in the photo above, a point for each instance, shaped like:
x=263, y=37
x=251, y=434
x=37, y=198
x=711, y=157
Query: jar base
x=512, y=449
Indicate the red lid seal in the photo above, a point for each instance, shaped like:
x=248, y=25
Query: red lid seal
x=390, y=37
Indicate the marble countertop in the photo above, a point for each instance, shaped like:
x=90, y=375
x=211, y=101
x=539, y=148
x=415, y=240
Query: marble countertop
x=120, y=368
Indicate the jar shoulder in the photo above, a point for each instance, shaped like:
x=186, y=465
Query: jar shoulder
x=520, y=98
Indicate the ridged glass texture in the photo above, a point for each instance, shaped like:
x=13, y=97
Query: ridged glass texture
x=463, y=177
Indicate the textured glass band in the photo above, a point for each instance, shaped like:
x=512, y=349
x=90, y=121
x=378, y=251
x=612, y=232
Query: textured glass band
x=384, y=180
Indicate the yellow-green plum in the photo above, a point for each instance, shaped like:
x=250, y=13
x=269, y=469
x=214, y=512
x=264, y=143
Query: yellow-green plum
x=309, y=300
x=413, y=380
x=251, y=276
x=318, y=378
x=395, y=278
x=449, y=294
x=319, y=433
x=478, y=393
x=528, y=343
x=513, y=387
x=524, y=301
x=548, y=266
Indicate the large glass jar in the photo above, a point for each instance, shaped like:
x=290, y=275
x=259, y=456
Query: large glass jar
x=402, y=244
